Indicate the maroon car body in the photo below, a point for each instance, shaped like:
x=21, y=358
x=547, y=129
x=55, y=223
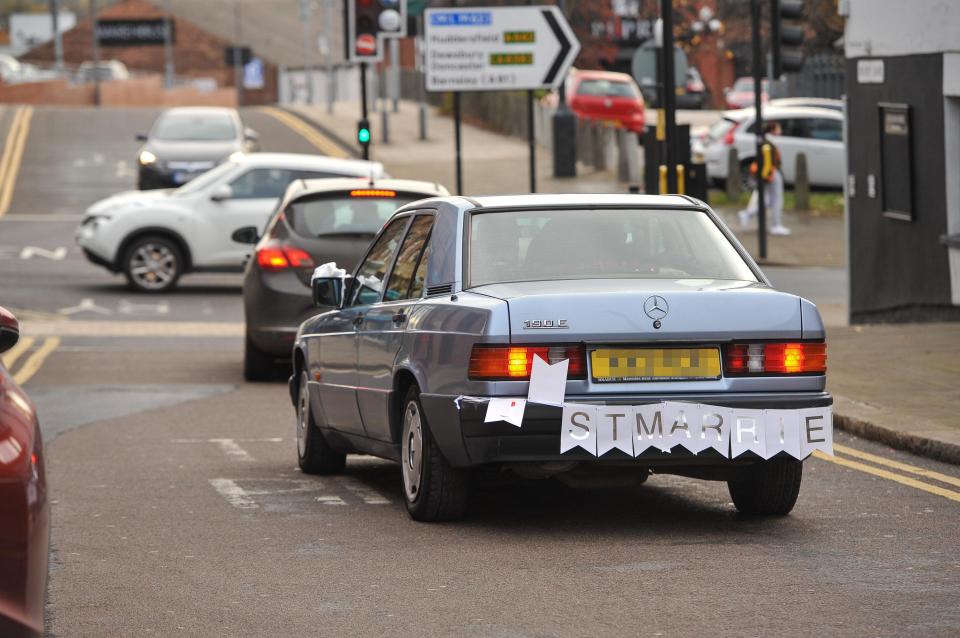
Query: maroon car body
x=24, y=509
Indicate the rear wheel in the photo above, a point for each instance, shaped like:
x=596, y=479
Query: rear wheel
x=314, y=455
x=153, y=263
x=434, y=490
x=769, y=488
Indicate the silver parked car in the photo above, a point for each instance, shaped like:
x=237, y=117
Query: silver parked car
x=649, y=298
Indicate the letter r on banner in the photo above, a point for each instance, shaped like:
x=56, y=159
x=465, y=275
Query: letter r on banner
x=747, y=433
x=578, y=428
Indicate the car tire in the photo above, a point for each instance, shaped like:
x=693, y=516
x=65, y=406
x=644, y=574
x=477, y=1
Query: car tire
x=152, y=263
x=314, y=454
x=433, y=489
x=257, y=364
x=769, y=488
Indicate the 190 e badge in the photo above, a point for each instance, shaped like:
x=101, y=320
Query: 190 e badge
x=545, y=324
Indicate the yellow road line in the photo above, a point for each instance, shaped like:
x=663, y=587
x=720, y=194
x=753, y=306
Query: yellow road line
x=879, y=460
x=10, y=357
x=32, y=365
x=10, y=143
x=890, y=476
x=312, y=135
x=18, y=142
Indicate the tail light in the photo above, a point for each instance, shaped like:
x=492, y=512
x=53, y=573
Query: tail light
x=728, y=138
x=743, y=359
x=514, y=363
x=274, y=256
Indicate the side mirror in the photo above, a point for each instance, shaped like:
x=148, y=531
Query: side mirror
x=141, y=137
x=246, y=235
x=250, y=135
x=221, y=192
x=328, y=291
x=9, y=330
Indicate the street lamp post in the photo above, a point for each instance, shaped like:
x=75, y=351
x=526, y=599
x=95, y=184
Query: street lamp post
x=237, y=57
x=564, y=132
x=305, y=12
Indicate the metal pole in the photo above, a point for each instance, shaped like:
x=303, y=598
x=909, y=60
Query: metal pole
x=96, y=53
x=57, y=37
x=237, y=58
x=168, y=68
x=328, y=36
x=456, y=140
x=564, y=132
x=669, y=98
x=421, y=84
x=531, y=142
x=305, y=19
x=363, y=104
x=755, y=9
x=394, y=84
x=382, y=93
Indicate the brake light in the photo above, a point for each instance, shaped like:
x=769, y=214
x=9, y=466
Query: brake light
x=728, y=138
x=372, y=192
x=776, y=358
x=493, y=363
x=278, y=257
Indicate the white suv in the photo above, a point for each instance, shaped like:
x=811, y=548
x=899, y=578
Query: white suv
x=154, y=237
x=816, y=132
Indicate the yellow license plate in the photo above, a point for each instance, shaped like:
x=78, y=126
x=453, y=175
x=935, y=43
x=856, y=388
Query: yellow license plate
x=623, y=365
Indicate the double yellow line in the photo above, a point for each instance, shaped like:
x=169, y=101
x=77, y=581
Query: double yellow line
x=313, y=136
x=13, y=148
x=868, y=463
x=31, y=365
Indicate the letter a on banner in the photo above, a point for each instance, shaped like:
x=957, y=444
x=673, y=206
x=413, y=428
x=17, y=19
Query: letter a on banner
x=614, y=429
x=579, y=428
x=681, y=422
x=816, y=431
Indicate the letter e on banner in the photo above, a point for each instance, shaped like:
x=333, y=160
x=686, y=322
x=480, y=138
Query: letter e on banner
x=816, y=431
x=648, y=428
x=747, y=433
x=578, y=428
x=614, y=429
x=782, y=432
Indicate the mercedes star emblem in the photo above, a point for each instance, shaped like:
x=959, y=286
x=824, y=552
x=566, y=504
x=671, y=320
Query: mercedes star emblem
x=656, y=307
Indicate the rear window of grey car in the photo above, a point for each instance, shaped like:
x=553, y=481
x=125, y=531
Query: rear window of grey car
x=343, y=214
x=208, y=127
x=610, y=244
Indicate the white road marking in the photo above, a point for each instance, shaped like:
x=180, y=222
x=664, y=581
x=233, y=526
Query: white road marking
x=86, y=305
x=125, y=307
x=124, y=170
x=232, y=449
x=366, y=493
x=275, y=439
x=84, y=328
x=57, y=254
x=234, y=494
x=42, y=217
x=330, y=500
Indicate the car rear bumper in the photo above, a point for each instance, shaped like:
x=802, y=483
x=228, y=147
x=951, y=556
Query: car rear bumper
x=467, y=441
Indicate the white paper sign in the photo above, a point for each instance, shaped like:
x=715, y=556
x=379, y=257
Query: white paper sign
x=715, y=425
x=681, y=423
x=782, y=432
x=648, y=428
x=747, y=432
x=578, y=428
x=816, y=431
x=614, y=429
x=548, y=383
x=509, y=410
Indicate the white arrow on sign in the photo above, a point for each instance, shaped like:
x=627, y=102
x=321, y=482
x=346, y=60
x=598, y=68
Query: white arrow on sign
x=498, y=48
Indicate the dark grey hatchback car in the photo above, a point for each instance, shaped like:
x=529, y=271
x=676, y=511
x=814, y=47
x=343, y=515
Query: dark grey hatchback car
x=317, y=221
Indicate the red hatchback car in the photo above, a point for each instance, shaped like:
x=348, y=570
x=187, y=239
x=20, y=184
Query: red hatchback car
x=607, y=96
x=24, y=510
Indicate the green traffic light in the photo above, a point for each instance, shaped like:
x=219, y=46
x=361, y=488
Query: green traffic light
x=363, y=135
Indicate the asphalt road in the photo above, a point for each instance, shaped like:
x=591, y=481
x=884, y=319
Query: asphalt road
x=177, y=508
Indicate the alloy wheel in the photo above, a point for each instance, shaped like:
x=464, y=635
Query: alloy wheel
x=303, y=416
x=412, y=450
x=153, y=265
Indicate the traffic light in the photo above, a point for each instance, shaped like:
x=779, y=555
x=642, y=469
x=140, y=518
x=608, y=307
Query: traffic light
x=363, y=135
x=786, y=36
x=368, y=23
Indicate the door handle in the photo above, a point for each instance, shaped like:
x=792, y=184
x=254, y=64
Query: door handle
x=358, y=320
x=399, y=318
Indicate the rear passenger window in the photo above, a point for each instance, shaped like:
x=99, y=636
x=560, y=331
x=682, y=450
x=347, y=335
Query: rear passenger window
x=822, y=128
x=368, y=283
x=420, y=277
x=407, y=261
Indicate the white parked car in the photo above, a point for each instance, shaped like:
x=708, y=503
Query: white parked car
x=816, y=132
x=154, y=237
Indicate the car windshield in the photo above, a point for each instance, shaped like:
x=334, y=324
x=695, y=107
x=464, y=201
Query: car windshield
x=606, y=88
x=342, y=214
x=206, y=127
x=534, y=245
x=203, y=180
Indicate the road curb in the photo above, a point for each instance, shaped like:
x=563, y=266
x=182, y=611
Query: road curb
x=916, y=444
x=347, y=147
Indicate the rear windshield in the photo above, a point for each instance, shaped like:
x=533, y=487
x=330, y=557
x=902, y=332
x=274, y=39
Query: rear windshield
x=606, y=88
x=606, y=244
x=342, y=214
x=720, y=129
x=207, y=127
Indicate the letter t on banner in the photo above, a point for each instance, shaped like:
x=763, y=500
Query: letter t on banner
x=614, y=429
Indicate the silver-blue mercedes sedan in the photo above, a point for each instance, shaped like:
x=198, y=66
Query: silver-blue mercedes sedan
x=567, y=336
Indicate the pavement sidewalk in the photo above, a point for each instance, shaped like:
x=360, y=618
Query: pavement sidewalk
x=897, y=384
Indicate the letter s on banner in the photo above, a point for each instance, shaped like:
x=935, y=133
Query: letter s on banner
x=578, y=428
x=816, y=431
